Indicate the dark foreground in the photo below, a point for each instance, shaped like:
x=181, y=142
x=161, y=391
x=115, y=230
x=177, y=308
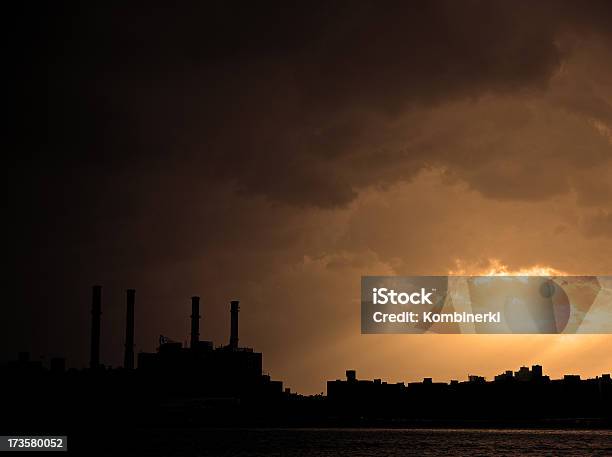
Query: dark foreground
x=131, y=413
x=356, y=442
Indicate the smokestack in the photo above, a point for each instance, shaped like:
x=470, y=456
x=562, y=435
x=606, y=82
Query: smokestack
x=96, y=311
x=234, y=324
x=128, y=360
x=195, y=321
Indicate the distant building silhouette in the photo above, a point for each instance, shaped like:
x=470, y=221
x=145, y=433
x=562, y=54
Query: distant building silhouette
x=226, y=370
x=96, y=311
x=234, y=309
x=195, y=322
x=57, y=365
x=204, y=384
x=128, y=359
x=524, y=394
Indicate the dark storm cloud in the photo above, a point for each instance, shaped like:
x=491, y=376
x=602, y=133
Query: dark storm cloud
x=243, y=90
x=598, y=224
x=128, y=117
x=149, y=136
x=276, y=99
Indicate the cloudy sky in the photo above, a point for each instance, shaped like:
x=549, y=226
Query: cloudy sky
x=276, y=152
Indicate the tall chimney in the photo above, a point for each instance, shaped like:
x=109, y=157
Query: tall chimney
x=96, y=311
x=234, y=324
x=128, y=360
x=195, y=321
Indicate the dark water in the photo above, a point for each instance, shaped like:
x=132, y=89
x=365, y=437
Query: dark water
x=371, y=442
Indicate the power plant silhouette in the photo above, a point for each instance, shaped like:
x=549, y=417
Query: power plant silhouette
x=201, y=384
x=201, y=368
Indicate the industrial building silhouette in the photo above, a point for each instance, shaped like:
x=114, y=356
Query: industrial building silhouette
x=201, y=384
x=228, y=370
x=200, y=369
x=512, y=396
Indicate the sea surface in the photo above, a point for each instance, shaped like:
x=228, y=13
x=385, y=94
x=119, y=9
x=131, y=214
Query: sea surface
x=369, y=442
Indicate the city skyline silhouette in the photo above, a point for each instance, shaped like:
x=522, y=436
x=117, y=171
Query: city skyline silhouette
x=259, y=228
x=280, y=152
x=225, y=384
